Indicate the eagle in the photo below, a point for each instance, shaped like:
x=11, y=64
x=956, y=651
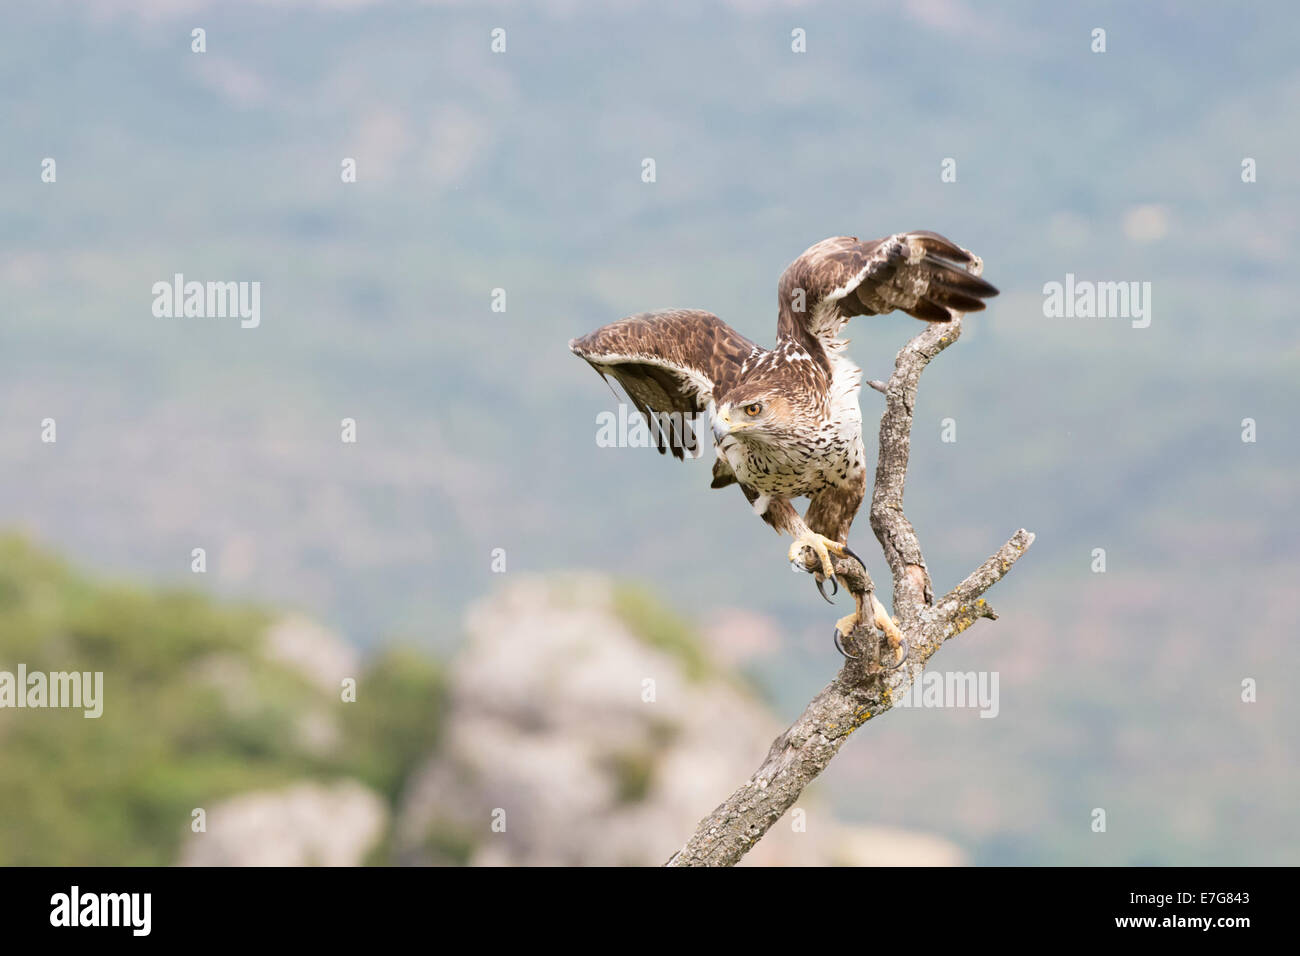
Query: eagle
x=785, y=421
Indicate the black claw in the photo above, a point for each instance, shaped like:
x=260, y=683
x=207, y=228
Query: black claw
x=902, y=660
x=849, y=552
x=839, y=646
x=820, y=582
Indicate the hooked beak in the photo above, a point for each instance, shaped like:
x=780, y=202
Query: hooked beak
x=721, y=428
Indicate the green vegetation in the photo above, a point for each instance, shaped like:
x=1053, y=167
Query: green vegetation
x=193, y=712
x=633, y=772
x=648, y=620
x=450, y=844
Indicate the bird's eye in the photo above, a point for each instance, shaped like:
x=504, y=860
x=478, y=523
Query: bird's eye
x=753, y=408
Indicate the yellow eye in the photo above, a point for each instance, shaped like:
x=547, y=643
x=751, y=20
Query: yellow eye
x=753, y=408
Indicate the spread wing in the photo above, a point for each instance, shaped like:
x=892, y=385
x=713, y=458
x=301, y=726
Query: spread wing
x=670, y=361
x=922, y=273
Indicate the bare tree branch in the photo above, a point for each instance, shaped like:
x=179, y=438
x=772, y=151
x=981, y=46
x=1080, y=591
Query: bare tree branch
x=863, y=688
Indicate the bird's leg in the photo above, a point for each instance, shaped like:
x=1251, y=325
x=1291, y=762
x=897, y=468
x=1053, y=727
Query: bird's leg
x=780, y=514
x=880, y=618
x=822, y=548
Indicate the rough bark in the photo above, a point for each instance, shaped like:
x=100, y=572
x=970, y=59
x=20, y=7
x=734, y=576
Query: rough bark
x=863, y=688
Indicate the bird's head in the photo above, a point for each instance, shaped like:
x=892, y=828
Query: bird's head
x=760, y=416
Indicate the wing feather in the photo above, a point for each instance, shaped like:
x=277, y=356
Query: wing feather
x=922, y=273
x=672, y=360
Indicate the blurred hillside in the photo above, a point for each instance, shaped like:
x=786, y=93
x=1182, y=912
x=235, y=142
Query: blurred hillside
x=601, y=730
x=201, y=702
x=476, y=429
x=544, y=718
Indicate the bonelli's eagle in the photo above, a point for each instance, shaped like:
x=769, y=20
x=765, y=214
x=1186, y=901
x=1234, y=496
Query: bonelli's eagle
x=785, y=420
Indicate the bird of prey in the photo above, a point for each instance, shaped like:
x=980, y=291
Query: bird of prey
x=786, y=421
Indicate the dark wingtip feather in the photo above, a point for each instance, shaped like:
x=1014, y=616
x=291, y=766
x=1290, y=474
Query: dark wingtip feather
x=959, y=280
x=929, y=311
x=955, y=300
x=934, y=243
x=954, y=287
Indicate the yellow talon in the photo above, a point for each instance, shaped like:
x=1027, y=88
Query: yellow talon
x=847, y=623
x=845, y=626
x=890, y=627
x=821, y=546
